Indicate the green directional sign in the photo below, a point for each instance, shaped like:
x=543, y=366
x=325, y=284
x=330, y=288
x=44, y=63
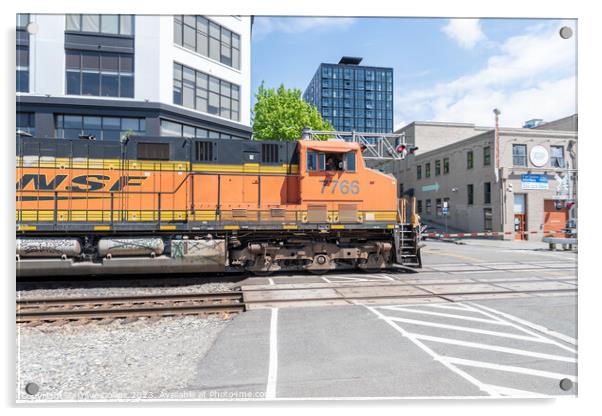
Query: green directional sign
x=433, y=187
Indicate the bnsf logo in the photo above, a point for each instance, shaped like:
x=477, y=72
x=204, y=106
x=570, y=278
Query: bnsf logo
x=82, y=183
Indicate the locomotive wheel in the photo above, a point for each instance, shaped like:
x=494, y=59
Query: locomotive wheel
x=318, y=271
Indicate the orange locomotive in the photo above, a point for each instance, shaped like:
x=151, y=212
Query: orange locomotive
x=153, y=205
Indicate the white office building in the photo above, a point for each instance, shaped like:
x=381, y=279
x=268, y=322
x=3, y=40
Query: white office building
x=107, y=75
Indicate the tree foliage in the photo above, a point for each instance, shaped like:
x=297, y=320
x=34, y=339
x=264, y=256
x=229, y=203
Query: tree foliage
x=282, y=114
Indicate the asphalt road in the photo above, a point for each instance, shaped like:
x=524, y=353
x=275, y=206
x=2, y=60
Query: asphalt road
x=518, y=346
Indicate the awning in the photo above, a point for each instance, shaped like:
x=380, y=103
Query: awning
x=332, y=147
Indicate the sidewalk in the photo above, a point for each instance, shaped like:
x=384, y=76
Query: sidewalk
x=506, y=244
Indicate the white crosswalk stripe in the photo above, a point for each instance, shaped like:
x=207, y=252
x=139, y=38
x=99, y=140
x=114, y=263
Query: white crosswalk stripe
x=480, y=353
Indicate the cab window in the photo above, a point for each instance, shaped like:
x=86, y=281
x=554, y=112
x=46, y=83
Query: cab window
x=312, y=161
x=350, y=159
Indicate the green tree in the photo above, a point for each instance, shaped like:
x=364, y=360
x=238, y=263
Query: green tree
x=281, y=115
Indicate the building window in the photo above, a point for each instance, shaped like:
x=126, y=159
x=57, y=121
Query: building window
x=419, y=172
x=519, y=154
x=487, y=193
x=419, y=206
x=469, y=159
x=173, y=129
x=488, y=219
x=427, y=170
x=438, y=207
x=445, y=165
x=99, y=73
x=108, y=24
x=557, y=157
x=437, y=167
x=486, y=156
x=470, y=194
x=22, y=68
x=207, y=38
x=23, y=20
x=26, y=123
x=102, y=128
x=205, y=93
x=428, y=207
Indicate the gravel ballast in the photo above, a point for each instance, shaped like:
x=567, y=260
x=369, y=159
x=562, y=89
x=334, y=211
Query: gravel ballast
x=145, y=359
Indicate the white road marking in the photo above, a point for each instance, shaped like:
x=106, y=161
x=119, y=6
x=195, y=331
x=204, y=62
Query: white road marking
x=446, y=306
x=483, y=387
x=271, y=280
x=474, y=330
x=508, y=368
x=477, y=308
x=270, y=391
x=507, y=391
x=446, y=315
x=539, y=328
x=327, y=280
x=495, y=348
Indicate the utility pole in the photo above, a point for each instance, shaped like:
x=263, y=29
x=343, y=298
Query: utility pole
x=497, y=143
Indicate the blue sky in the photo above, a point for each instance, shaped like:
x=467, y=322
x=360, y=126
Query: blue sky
x=454, y=70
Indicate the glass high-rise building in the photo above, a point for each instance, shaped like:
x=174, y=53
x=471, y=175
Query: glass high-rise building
x=353, y=97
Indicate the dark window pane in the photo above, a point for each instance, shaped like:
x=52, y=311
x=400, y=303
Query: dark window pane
x=235, y=40
x=202, y=24
x=126, y=86
x=109, y=85
x=93, y=132
x=90, y=60
x=92, y=122
x=90, y=83
x=22, y=81
x=129, y=124
x=109, y=62
x=111, y=123
x=73, y=82
x=72, y=122
x=177, y=92
x=73, y=59
x=22, y=56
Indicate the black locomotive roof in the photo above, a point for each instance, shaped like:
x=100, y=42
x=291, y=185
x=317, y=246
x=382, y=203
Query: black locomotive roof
x=176, y=149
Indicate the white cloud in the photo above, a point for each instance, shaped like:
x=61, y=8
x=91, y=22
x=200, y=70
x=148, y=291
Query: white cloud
x=531, y=76
x=263, y=26
x=466, y=32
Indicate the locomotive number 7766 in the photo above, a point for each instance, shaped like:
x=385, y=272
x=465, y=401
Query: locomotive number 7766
x=343, y=186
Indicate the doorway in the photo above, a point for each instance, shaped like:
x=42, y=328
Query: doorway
x=520, y=217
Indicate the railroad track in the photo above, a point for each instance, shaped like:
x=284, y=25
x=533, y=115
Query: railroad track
x=67, y=309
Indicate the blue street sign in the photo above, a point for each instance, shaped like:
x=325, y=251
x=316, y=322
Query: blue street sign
x=445, y=210
x=534, y=181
